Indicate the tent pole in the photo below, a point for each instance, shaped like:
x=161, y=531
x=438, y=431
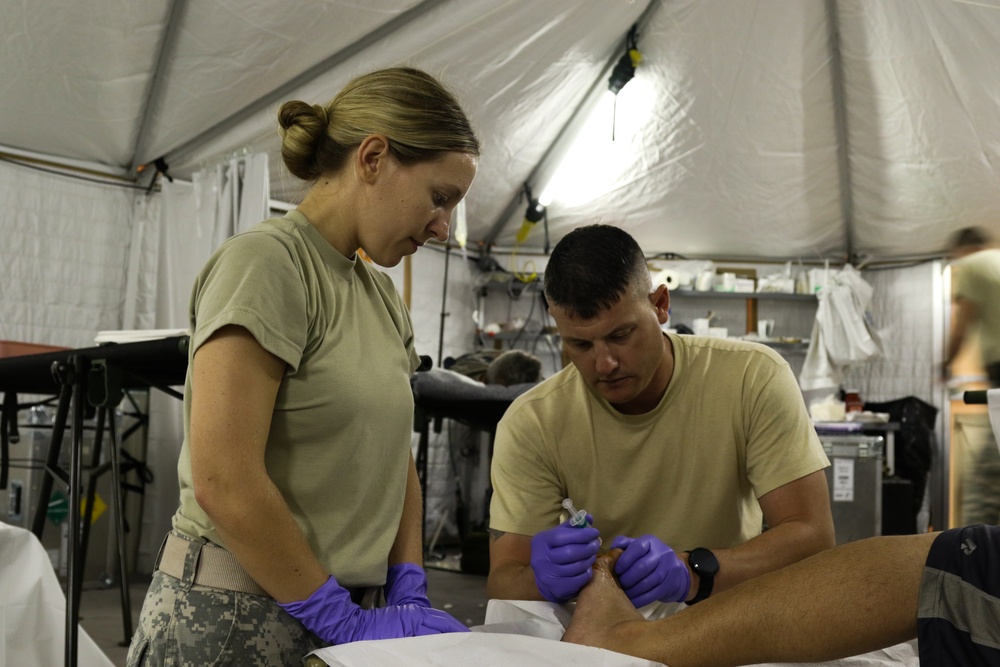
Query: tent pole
x=444, y=305
x=280, y=93
x=840, y=126
x=585, y=103
x=156, y=85
x=16, y=158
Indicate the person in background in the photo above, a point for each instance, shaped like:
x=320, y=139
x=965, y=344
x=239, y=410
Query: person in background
x=942, y=588
x=680, y=447
x=975, y=298
x=299, y=499
x=976, y=307
x=514, y=367
x=473, y=364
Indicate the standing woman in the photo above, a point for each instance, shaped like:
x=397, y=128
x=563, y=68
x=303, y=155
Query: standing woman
x=299, y=497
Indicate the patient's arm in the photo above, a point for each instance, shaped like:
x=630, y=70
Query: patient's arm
x=841, y=602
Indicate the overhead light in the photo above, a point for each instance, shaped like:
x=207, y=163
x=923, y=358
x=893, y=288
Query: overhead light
x=536, y=211
x=625, y=68
x=532, y=214
x=587, y=162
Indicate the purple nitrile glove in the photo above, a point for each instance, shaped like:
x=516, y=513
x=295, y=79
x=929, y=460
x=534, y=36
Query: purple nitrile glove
x=330, y=614
x=406, y=583
x=561, y=559
x=649, y=570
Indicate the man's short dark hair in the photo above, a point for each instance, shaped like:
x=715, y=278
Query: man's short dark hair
x=969, y=237
x=592, y=267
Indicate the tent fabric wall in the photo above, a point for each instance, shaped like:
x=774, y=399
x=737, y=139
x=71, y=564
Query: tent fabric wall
x=819, y=128
x=428, y=288
x=726, y=142
x=923, y=101
x=902, y=310
x=64, y=248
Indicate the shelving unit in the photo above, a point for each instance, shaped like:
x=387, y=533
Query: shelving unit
x=537, y=338
x=517, y=288
x=751, y=299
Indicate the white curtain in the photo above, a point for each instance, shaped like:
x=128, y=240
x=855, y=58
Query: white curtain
x=192, y=220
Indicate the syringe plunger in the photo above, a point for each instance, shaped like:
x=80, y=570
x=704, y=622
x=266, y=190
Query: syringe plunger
x=576, y=517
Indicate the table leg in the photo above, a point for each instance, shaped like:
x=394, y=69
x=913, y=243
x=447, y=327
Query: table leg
x=890, y=452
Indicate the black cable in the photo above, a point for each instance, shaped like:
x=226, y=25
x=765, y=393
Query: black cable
x=144, y=472
x=531, y=311
x=545, y=223
x=461, y=511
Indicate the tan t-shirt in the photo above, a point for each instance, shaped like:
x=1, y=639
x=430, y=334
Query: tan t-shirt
x=339, y=443
x=731, y=427
x=977, y=279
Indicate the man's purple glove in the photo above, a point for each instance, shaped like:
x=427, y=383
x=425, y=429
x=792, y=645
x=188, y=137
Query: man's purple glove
x=561, y=559
x=330, y=615
x=406, y=583
x=649, y=570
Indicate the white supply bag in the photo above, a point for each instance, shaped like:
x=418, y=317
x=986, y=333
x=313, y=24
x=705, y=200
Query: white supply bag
x=843, y=334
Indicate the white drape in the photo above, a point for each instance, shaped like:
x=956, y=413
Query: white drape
x=33, y=607
x=843, y=333
x=193, y=219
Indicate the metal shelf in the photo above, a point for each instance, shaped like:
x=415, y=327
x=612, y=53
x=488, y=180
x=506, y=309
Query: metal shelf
x=804, y=345
x=512, y=335
x=769, y=296
x=751, y=299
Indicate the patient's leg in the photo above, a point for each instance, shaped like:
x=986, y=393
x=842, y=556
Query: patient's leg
x=841, y=602
x=601, y=607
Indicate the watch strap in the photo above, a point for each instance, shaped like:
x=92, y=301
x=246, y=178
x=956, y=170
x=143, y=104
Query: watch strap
x=706, y=572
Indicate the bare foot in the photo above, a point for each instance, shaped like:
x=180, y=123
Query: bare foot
x=602, y=609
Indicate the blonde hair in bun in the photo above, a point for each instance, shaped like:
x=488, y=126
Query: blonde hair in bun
x=418, y=115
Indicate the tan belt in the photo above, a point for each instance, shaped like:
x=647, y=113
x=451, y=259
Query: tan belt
x=218, y=568
x=215, y=566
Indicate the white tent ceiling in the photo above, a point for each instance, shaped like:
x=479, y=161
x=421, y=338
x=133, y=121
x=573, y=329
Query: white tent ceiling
x=753, y=128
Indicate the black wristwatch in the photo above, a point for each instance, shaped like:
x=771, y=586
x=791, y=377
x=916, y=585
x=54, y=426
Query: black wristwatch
x=703, y=563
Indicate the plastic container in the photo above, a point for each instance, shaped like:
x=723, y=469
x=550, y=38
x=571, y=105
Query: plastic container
x=852, y=401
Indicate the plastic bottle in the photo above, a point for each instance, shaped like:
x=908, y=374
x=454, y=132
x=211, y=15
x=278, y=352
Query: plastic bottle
x=852, y=401
x=801, y=283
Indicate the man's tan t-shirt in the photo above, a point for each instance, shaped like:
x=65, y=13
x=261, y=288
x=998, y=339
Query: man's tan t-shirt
x=731, y=427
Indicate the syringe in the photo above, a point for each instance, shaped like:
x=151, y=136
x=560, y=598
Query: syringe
x=577, y=518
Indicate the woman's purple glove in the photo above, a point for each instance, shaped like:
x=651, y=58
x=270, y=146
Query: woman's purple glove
x=649, y=570
x=330, y=614
x=406, y=583
x=561, y=559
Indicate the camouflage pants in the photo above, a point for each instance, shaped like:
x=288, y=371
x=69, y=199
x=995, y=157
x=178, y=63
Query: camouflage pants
x=182, y=624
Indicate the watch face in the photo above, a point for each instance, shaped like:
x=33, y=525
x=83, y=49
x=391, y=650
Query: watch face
x=704, y=562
